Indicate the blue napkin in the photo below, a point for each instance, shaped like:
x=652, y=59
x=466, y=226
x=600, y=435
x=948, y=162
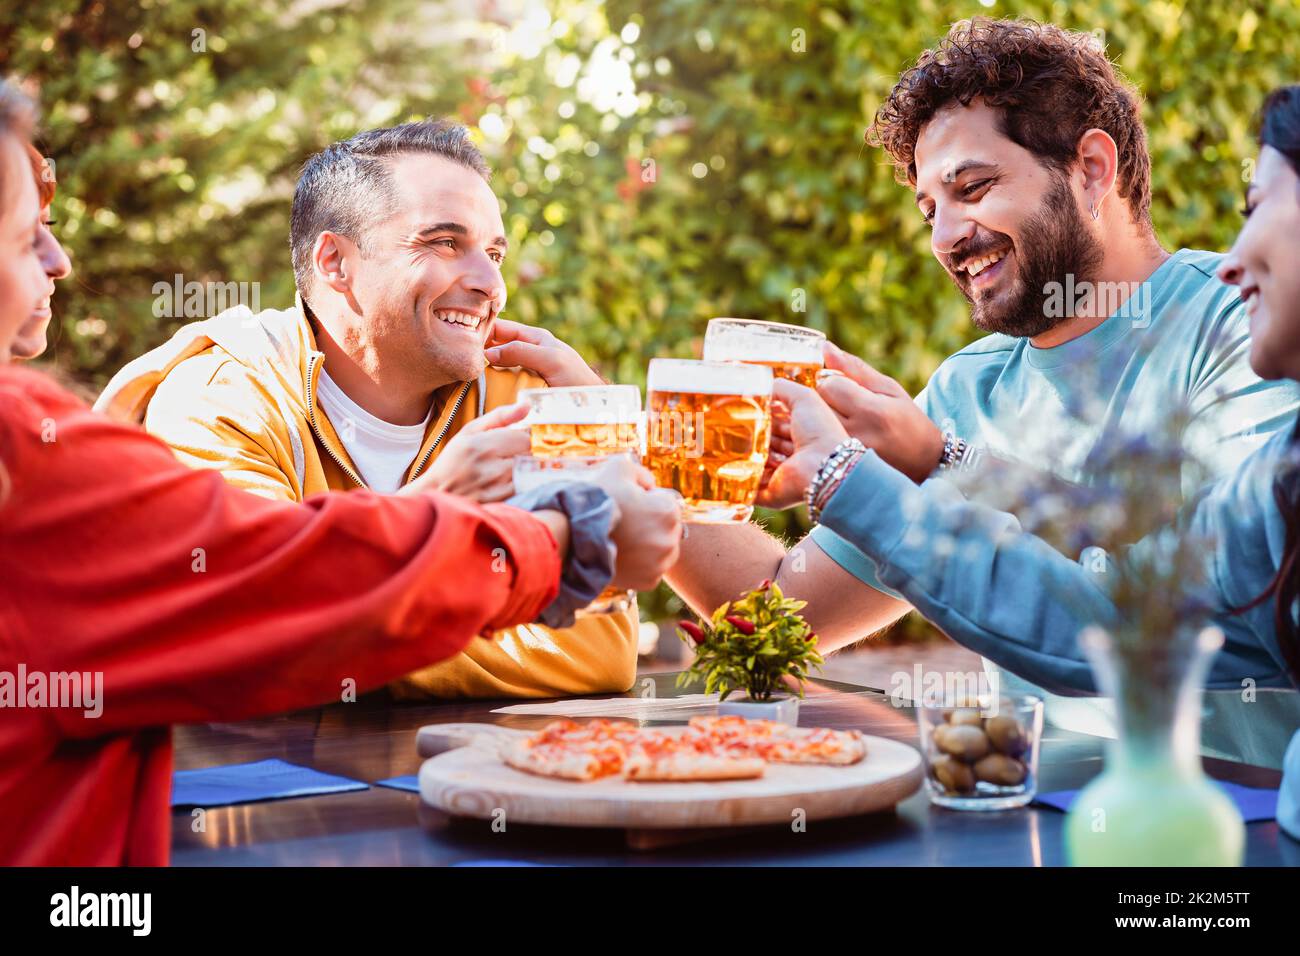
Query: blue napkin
x=1253, y=803
x=410, y=782
x=246, y=782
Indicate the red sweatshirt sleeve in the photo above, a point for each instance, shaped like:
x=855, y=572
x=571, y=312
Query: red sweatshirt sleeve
x=199, y=602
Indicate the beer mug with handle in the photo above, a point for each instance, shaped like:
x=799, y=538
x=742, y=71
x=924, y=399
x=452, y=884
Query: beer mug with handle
x=708, y=430
x=573, y=429
x=790, y=351
x=583, y=420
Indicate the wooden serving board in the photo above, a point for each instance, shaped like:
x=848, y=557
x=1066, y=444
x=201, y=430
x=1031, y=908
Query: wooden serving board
x=472, y=781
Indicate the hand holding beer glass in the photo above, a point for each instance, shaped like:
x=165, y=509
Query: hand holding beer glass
x=790, y=351
x=709, y=425
x=571, y=430
x=583, y=420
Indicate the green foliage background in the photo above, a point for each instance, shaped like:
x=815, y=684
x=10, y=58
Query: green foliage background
x=732, y=181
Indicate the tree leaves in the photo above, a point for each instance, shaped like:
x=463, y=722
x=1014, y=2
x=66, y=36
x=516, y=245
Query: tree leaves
x=618, y=246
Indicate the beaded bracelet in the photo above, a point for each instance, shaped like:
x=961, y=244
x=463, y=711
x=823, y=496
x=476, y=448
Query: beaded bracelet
x=954, y=452
x=831, y=474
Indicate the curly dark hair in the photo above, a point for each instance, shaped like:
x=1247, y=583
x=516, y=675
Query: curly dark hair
x=1050, y=86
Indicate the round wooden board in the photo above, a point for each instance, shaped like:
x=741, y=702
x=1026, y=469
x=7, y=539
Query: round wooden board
x=473, y=782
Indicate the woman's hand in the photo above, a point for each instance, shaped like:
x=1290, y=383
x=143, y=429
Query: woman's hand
x=648, y=531
x=810, y=431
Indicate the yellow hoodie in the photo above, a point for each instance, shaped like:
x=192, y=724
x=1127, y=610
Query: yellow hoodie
x=237, y=393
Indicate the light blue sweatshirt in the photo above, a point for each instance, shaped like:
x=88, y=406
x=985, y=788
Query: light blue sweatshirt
x=1010, y=596
x=1181, y=340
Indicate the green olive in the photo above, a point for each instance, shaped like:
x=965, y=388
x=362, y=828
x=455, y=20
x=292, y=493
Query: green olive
x=937, y=733
x=953, y=775
x=965, y=743
x=1007, y=735
x=967, y=716
x=1000, y=769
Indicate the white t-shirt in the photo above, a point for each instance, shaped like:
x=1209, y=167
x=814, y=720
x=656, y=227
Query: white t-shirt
x=381, y=451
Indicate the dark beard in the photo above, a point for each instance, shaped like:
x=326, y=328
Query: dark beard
x=1055, y=242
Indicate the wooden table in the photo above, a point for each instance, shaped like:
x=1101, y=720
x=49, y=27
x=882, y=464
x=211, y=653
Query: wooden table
x=374, y=739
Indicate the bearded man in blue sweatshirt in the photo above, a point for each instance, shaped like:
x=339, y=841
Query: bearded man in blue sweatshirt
x=1027, y=156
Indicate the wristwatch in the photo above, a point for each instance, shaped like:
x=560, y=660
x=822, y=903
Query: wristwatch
x=589, y=566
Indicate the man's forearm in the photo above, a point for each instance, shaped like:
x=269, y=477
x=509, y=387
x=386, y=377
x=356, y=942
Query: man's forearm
x=721, y=562
x=841, y=609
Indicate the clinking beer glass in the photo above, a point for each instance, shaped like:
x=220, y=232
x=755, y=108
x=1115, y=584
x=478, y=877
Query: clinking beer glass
x=583, y=420
x=709, y=426
x=790, y=351
x=573, y=429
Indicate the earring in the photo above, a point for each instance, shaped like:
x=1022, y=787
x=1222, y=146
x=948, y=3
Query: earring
x=1092, y=208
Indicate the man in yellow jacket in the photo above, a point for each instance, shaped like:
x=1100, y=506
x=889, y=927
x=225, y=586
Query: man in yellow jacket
x=380, y=374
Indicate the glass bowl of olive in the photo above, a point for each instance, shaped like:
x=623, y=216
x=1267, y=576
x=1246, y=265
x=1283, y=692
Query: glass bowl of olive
x=982, y=757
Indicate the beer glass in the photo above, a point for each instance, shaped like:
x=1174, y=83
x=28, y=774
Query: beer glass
x=531, y=471
x=583, y=420
x=790, y=351
x=707, y=437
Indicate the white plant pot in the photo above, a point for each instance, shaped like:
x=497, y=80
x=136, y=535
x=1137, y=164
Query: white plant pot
x=782, y=709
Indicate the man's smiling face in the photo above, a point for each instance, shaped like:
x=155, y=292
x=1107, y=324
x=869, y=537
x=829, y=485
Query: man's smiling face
x=429, y=282
x=1004, y=225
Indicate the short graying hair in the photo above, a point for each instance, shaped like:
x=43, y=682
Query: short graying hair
x=348, y=185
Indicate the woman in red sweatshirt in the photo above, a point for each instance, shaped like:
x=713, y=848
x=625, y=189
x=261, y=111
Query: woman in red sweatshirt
x=185, y=600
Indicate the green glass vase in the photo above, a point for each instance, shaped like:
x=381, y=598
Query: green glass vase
x=1152, y=805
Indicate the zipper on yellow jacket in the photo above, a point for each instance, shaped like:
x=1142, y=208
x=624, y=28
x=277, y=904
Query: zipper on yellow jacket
x=338, y=459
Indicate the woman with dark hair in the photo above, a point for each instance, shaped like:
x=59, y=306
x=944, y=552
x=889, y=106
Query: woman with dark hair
x=1009, y=606
x=163, y=595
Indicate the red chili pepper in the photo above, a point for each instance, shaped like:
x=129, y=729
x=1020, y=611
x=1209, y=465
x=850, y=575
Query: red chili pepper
x=694, y=630
x=767, y=583
x=739, y=623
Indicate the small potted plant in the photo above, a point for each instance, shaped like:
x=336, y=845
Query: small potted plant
x=754, y=644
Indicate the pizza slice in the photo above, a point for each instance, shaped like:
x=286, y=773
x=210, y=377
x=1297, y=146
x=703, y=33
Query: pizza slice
x=816, y=745
x=710, y=748
x=567, y=761
x=781, y=743
x=731, y=727
x=571, y=732
x=657, y=756
x=572, y=751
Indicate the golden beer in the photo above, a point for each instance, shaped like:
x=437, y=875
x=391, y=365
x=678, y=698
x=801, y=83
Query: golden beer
x=790, y=351
x=569, y=439
x=804, y=374
x=585, y=420
x=708, y=433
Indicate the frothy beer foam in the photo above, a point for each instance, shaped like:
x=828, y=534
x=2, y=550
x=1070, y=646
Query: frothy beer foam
x=582, y=405
x=729, y=341
x=708, y=378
